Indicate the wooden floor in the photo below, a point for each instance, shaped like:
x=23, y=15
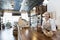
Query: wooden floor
x=27, y=34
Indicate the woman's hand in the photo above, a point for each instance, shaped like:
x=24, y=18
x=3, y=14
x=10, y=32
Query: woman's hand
x=48, y=34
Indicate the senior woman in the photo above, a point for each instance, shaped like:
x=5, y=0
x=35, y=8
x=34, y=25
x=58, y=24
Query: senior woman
x=48, y=25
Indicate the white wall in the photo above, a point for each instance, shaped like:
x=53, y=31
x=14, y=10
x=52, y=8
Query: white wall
x=25, y=16
x=8, y=17
x=54, y=5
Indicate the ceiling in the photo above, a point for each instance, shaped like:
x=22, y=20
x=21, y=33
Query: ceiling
x=10, y=4
x=26, y=5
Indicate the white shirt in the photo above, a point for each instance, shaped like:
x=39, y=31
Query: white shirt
x=52, y=23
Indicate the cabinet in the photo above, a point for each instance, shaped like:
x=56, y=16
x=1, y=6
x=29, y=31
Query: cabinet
x=33, y=21
x=0, y=23
x=41, y=9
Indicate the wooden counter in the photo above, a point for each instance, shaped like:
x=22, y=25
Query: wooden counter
x=28, y=34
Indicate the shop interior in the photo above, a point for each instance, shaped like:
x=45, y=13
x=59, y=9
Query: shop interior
x=22, y=20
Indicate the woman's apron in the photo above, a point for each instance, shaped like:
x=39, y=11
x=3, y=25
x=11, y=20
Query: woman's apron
x=47, y=28
x=47, y=25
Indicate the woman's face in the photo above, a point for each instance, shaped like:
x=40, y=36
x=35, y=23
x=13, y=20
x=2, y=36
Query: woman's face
x=46, y=15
